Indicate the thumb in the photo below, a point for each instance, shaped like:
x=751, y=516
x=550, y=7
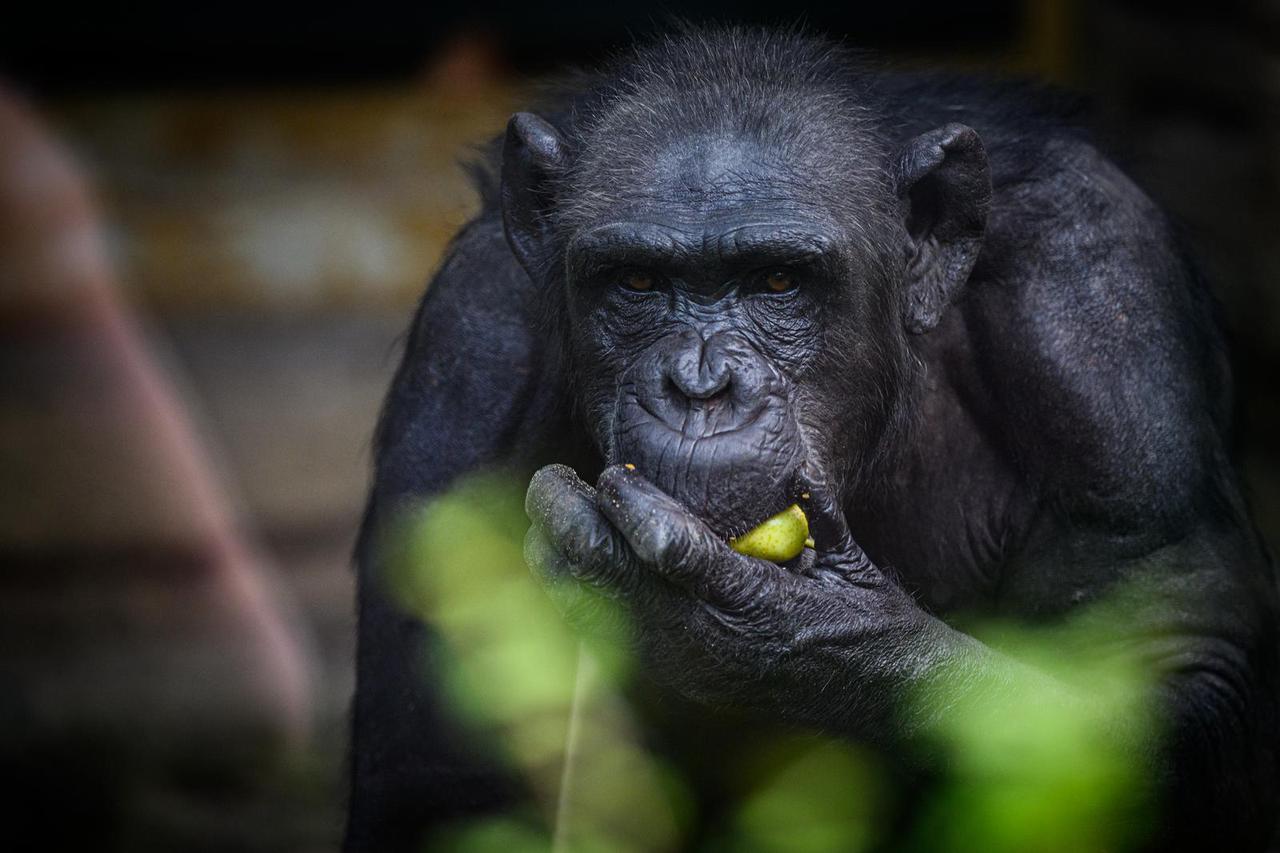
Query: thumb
x=839, y=555
x=827, y=524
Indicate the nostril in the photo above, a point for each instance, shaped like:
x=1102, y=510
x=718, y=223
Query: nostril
x=695, y=368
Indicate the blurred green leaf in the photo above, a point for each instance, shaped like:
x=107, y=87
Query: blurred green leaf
x=511, y=668
x=1028, y=771
x=1024, y=771
x=826, y=796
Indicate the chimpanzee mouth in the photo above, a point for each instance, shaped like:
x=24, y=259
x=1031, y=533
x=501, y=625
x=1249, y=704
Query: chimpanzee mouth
x=704, y=415
x=794, y=494
x=732, y=477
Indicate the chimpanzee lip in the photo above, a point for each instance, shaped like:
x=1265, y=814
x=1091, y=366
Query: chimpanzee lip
x=789, y=490
x=792, y=495
x=657, y=419
x=747, y=487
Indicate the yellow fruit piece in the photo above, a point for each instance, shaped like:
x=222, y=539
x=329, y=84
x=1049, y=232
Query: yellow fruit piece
x=779, y=538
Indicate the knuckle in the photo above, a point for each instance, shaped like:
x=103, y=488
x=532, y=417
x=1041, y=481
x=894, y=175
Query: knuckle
x=746, y=598
x=664, y=545
x=588, y=545
x=541, y=557
x=575, y=544
x=751, y=588
x=588, y=550
x=670, y=546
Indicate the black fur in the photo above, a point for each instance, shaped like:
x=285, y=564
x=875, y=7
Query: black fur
x=1061, y=428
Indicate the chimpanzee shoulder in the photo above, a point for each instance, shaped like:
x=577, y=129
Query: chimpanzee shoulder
x=473, y=347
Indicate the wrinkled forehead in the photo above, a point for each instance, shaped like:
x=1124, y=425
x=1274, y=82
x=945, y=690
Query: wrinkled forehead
x=706, y=177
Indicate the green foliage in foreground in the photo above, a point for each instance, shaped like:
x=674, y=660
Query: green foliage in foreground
x=1023, y=768
x=1051, y=757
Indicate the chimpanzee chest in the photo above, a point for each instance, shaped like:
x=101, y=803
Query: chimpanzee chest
x=941, y=521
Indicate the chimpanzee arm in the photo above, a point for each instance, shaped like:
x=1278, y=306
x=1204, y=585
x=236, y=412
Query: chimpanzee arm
x=1200, y=614
x=469, y=393
x=1113, y=377
x=840, y=647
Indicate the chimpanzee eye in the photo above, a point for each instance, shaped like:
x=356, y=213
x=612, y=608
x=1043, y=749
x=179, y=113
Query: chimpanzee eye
x=640, y=282
x=780, y=281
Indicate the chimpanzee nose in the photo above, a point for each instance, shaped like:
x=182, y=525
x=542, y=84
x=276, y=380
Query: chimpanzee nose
x=700, y=369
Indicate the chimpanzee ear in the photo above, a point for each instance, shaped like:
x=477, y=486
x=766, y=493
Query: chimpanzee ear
x=531, y=154
x=945, y=187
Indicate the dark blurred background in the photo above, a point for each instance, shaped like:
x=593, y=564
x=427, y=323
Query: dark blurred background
x=213, y=227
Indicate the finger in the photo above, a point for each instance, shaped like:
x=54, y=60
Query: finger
x=545, y=561
x=840, y=557
x=549, y=488
x=564, y=509
x=681, y=548
x=659, y=530
x=827, y=523
x=585, y=608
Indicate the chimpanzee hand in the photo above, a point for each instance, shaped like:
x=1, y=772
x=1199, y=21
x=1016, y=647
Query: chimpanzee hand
x=822, y=643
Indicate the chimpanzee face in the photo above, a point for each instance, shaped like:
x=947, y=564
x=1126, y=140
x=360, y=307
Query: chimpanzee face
x=736, y=289
x=721, y=324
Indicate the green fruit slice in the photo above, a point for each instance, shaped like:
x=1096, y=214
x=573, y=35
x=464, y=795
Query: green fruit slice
x=779, y=538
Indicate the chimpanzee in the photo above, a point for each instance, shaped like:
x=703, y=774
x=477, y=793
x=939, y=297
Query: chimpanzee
x=758, y=269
